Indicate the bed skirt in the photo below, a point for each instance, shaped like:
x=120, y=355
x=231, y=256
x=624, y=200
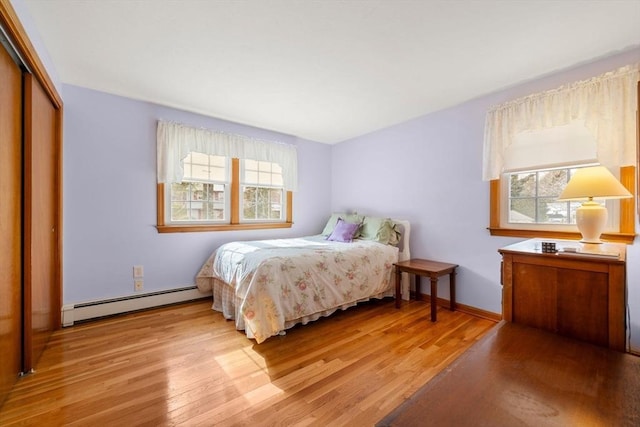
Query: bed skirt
x=226, y=302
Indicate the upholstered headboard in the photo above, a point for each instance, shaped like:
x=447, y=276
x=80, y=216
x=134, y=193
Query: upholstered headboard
x=405, y=252
x=405, y=229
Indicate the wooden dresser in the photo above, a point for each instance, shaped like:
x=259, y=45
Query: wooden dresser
x=578, y=296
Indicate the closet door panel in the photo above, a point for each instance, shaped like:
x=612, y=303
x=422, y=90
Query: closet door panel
x=10, y=222
x=41, y=178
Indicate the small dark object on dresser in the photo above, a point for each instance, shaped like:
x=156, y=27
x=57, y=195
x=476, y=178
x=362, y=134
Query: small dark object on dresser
x=549, y=247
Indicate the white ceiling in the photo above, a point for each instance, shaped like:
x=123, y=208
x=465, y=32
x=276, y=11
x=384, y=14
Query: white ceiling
x=324, y=70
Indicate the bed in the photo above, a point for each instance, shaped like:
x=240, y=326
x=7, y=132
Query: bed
x=268, y=286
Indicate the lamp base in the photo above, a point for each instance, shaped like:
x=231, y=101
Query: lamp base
x=591, y=242
x=591, y=219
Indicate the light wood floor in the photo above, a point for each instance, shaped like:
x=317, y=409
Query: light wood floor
x=186, y=365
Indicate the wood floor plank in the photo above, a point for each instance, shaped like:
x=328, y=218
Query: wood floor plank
x=187, y=365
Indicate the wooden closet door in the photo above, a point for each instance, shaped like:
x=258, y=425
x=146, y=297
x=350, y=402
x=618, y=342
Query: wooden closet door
x=41, y=297
x=10, y=222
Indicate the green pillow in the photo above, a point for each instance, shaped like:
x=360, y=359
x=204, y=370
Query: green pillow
x=381, y=230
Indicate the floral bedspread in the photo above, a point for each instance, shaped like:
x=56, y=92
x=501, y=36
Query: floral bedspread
x=279, y=281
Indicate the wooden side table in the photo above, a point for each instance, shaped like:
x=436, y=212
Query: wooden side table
x=433, y=270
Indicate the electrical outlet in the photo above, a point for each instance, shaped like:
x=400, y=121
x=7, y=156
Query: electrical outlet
x=138, y=271
x=138, y=285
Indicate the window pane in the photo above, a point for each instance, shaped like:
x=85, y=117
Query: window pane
x=251, y=177
x=523, y=210
x=202, y=167
x=264, y=174
x=218, y=161
x=199, y=158
x=217, y=210
x=249, y=203
x=197, y=201
x=196, y=210
x=523, y=185
x=199, y=172
x=179, y=211
x=208, y=192
x=217, y=174
x=275, y=211
x=551, y=211
x=213, y=211
x=262, y=203
x=197, y=191
x=250, y=164
x=264, y=166
x=554, y=212
x=551, y=183
x=264, y=178
x=276, y=196
x=180, y=191
x=218, y=192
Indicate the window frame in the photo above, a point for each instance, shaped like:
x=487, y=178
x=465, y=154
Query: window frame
x=612, y=205
x=234, y=211
x=168, y=206
x=283, y=204
x=626, y=233
x=189, y=179
x=245, y=183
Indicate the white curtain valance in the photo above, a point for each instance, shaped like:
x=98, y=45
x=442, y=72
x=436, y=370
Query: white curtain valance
x=606, y=104
x=175, y=141
x=560, y=146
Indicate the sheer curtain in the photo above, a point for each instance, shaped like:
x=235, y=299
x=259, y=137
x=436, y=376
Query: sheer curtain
x=175, y=141
x=606, y=104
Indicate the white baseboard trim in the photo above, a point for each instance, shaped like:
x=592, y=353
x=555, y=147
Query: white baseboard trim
x=72, y=313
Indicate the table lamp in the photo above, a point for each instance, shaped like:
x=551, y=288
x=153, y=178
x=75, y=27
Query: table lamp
x=590, y=183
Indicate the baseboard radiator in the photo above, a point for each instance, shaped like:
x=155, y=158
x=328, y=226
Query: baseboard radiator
x=72, y=313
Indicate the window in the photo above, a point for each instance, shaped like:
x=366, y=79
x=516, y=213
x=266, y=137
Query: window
x=203, y=185
x=262, y=191
x=531, y=199
x=522, y=204
x=208, y=198
x=202, y=194
x=535, y=176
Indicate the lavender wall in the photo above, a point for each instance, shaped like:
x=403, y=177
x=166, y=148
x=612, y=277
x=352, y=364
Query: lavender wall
x=428, y=170
x=110, y=197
